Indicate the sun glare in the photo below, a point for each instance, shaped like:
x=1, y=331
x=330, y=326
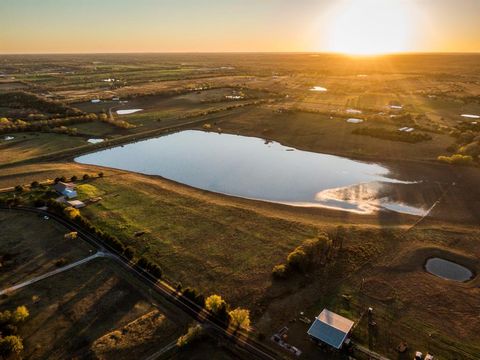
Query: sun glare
x=370, y=27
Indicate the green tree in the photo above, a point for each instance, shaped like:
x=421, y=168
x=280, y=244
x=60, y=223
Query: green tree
x=215, y=303
x=11, y=345
x=20, y=314
x=240, y=318
x=5, y=317
x=71, y=212
x=297, y=259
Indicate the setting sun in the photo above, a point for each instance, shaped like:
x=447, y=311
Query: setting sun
x=370, y=27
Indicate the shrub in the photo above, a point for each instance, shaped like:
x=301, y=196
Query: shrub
x=73, y=178
x=100, y=174
x=457, y=159
x=5, y=317
x=34, y=184
x=20, y=314
x=194, y=333
x=472, y=149
x=71, y=236
x=19, y=188
x=279, y=271
x=11, y=345
x=85, y=177
x=71, y=212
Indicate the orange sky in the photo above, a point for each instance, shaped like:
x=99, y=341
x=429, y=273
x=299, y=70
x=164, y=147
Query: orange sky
x=351, y=26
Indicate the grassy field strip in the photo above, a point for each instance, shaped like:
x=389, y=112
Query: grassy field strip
x=52, y=273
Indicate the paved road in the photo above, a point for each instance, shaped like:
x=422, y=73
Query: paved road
x=52, y=273
x=240, y=338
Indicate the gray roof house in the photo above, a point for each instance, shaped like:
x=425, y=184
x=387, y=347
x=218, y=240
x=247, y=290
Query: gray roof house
x=66, y=189
x=330, y=328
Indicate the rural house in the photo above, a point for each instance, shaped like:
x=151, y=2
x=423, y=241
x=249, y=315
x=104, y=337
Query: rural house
x=330, y=328
x=65, y=189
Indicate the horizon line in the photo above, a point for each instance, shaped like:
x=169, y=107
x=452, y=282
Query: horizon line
x=248, y=52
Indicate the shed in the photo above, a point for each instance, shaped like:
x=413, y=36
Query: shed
x=330, y=328
x=77, y=204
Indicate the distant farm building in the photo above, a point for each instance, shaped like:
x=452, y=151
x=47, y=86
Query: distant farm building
x=330, y=328
x=65, y=189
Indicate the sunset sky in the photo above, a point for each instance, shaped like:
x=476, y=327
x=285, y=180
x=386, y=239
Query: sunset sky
x=348, y=26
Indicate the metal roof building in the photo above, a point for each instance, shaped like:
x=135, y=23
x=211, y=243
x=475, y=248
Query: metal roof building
x=330, y=328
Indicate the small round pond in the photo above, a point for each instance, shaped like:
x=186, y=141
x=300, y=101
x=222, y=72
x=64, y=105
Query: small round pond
x=448, y=269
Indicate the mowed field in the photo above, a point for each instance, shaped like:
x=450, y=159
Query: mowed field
x=181, y=230
x=90, y=312
x=31, y=245
x=29, y=145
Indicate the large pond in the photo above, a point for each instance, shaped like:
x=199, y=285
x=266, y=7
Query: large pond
x=448, y=269
x=257, y=169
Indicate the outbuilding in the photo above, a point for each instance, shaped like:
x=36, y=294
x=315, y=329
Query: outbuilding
x=331, y=329
x=77, y=204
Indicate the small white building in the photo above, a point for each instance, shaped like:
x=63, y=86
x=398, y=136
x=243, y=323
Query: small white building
x=77, y=204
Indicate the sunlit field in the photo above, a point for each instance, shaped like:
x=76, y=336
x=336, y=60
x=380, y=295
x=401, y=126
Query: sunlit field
x=240, y=180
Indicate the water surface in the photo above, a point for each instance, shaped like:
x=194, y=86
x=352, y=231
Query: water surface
x=354, y=121
x=128, y=111
x=448, y=269
x=471, y=116
x=318, y=88
x=256, y=169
